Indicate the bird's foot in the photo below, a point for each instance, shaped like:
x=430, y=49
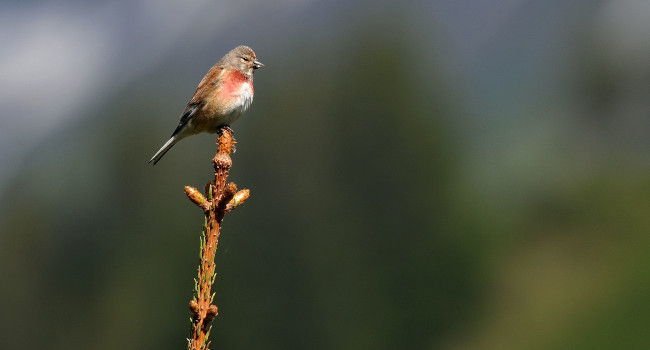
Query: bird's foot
x=225, y=128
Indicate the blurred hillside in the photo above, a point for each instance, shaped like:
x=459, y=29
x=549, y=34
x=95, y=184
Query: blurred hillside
x=424, y=176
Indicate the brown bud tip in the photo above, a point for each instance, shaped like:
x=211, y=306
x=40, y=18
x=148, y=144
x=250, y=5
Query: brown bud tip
x=231, y=189
x=239, y=198
x=213, y=310
x=197, y=197
x=211, y=314
x=194, y=308
x=222, y=161
x=226, y=140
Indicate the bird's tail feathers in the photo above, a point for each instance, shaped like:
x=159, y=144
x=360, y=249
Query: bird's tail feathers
x=166, y=147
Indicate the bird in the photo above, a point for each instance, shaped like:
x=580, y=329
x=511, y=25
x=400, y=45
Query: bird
x=223, y=95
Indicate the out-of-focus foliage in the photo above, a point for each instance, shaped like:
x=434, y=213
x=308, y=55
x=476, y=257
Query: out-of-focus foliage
x=391, y=206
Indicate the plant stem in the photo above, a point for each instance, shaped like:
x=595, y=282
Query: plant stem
x=222, y=197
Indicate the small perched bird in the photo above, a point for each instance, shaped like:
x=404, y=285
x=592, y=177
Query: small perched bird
x=223, y=95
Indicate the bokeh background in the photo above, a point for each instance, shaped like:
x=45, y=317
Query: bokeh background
x=425, y=174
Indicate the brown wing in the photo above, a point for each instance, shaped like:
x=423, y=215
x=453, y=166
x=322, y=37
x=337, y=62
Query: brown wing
x=206, y=86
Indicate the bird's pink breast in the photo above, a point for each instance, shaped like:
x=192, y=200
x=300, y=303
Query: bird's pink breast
x=233, y=82
x=233, y=97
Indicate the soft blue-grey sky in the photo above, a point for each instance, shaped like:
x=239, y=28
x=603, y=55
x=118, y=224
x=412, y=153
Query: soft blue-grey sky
x=58, y=58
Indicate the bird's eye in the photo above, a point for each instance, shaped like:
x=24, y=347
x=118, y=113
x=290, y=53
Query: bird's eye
x=245, y=59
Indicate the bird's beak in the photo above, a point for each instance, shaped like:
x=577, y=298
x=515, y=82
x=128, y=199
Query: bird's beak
x=257, y=65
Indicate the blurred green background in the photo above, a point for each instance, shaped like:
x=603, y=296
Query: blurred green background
x=424, y=175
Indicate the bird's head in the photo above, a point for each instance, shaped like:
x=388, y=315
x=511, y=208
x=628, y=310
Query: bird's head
x=242, y=58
